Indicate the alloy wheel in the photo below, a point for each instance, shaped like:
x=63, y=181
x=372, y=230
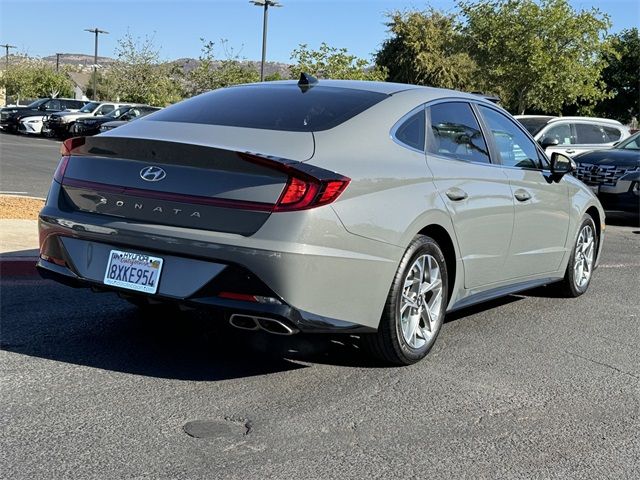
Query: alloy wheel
x=584, y=255
x=421, y=302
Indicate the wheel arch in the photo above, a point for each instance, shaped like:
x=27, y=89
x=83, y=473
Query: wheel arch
x=444, y=240
x=594, y=213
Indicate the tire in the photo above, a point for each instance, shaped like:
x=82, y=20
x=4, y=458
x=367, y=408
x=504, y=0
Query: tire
x=394, y=343
x=576, y=278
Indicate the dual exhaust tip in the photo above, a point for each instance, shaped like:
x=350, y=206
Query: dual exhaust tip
x=270, y=325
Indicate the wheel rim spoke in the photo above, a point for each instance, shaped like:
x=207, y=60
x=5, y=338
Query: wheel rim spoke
x=421, y=301
x=584, y=255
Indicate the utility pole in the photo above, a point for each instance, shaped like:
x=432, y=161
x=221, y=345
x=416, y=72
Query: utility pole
x=6, y=47
x=96, y=31
x=58, y=61
x=265, y=4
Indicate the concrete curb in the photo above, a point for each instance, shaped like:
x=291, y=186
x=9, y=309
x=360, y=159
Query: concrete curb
x=18, y=267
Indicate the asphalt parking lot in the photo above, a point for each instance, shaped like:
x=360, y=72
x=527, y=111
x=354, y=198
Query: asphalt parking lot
x=27, y=164
x=532, y=386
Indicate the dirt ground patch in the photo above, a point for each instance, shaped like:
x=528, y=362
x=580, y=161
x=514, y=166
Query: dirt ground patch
x=19, y=208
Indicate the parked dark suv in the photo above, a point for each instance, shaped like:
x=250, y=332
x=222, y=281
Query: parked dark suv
x=10, y=116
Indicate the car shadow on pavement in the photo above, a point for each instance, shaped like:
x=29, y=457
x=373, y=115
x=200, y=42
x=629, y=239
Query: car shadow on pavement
x=102, y=331
x=122, y=339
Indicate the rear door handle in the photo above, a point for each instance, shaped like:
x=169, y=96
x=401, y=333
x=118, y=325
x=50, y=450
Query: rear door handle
x=522, y=195
x=570, y=151
x=456, y=194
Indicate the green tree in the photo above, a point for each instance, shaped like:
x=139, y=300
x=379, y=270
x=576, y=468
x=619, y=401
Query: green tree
x=427, y=48
x=138, y=75
x=538, y=54
x=212, y=73
x=622, y=77
x=334, y=63
x=32, y=78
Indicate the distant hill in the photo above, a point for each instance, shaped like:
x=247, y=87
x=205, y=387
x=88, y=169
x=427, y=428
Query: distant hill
x=187, y=64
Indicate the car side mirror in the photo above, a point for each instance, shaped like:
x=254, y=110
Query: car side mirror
x=547, y=142
x=561, y=164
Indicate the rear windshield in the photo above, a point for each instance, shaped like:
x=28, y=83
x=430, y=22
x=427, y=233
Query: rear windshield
x=534, y=125
x=273, y=107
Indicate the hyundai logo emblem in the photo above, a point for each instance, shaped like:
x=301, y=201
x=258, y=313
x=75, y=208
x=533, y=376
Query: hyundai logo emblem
x=152, y=174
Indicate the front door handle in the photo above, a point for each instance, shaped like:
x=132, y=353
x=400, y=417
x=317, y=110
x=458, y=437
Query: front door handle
x=456, y=194
x=570, y=151
x=522, y=195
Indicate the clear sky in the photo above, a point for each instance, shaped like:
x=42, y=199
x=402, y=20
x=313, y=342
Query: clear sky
x=44, y=27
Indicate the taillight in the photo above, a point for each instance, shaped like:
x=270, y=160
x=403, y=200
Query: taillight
x=70, y=144
x=307, y=186
x=66, y=150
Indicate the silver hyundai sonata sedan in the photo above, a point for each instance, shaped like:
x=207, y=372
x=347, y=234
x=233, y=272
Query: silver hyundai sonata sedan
x=321, y=206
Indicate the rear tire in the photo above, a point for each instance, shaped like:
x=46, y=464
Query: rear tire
x=583, y=257
x=415, y=307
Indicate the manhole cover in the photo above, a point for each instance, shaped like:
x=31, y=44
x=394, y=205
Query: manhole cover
x=215, y=429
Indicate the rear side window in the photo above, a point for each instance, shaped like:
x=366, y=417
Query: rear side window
x=589, y=134
x=75, y=104
x=613, y=134
x=273, y=107
x=411, y=132
x=455, y=133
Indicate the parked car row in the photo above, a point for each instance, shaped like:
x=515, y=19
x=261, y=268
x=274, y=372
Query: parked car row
x=63, y=117
x=607, y=158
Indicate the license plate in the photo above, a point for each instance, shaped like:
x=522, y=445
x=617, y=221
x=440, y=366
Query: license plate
x=133, y=271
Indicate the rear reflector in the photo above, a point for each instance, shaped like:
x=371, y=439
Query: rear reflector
x=244, y=297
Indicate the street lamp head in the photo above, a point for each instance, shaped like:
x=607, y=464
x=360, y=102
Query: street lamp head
x=268, y=3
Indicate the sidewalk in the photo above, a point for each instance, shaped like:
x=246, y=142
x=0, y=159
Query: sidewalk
x=18, y=247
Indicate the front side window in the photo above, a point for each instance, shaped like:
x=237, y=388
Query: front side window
x=514, y=147
x=562, y=133
x=454, y=132
x=411, y=132
x=105, y=109
x=590, y=134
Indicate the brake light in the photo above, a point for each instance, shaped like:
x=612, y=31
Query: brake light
x=70, y=144
x=307, y=186
x=66, y=150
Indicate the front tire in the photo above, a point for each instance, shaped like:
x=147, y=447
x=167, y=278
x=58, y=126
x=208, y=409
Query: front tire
x=415, y=307
x=583, y=258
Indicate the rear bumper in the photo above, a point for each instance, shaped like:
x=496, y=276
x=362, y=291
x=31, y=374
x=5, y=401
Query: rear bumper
x=327, y=279
x=303, y=321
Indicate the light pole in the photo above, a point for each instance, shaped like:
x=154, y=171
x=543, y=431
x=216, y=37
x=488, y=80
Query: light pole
x=6, y=47
x=264, y=4
x=95, y=59
x=58, y=61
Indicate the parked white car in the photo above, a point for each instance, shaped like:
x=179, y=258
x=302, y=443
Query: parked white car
x=31, y=125
x=573, y=135
x=59, y=124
